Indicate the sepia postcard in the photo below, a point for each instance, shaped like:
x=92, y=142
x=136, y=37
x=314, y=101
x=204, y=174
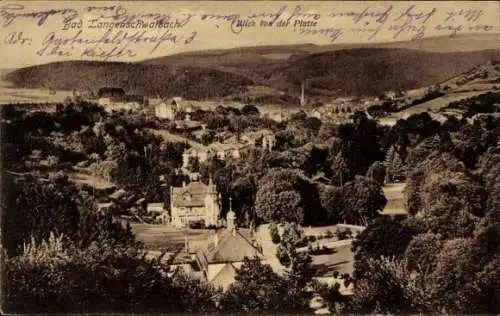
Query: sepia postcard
x=250, y=157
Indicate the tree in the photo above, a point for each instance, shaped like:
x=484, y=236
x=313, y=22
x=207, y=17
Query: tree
x=249, y=109
x=449, y=276
x=37, y=207
x=273, y=231
x=388, y=288
x=361, y=143
x=435, y=162
x=331, y=201
x=55, y=276
x=452, y=204
x=362, y=200
x=471, y=141
x=278, y=198
x=279, y=206
x=383, y=237
x=298, y=263
x=376, y=172
x=257, y=289
x=193, y=164
x=395, y=170
x=422, y=251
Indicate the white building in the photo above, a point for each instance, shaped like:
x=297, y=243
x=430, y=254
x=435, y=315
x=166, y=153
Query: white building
x=194, y=202
x=168, y=109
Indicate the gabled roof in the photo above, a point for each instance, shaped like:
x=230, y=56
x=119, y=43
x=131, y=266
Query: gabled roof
x=231, y=247
x=225, y=276
x=192, y=195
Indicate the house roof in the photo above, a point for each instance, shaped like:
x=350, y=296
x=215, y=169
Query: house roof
x=227, y=146
x=320, y=177
x=118, y=194
x=104, y=205
x=225, y=276
x=192, y=195
x=155, y=205
x=231, y=247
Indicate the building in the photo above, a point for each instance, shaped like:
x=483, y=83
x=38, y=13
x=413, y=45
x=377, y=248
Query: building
x=156, y=208
x=117, y=102
x=195, y=202
x=167, y=109
x=220, y=259
x=104, y=207
x=220, y=150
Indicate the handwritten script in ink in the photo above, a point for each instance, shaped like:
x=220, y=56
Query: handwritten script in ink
x=120, y=32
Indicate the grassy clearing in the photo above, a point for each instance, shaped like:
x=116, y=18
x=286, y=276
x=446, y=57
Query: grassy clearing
x=341, y=260
x=394, y=194
x=438, y=103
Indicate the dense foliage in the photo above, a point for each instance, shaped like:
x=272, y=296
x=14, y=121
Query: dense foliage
x=444, y=257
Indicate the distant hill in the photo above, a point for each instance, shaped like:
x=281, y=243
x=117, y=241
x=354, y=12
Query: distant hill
x=134, y=78
x=330, y=70
x=370, y=71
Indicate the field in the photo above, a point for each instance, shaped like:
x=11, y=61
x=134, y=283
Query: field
x=16, y=95
x=167, y=238
x=433, y=105
x=437, y=103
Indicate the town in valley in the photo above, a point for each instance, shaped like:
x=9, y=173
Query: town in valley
x=275, y=179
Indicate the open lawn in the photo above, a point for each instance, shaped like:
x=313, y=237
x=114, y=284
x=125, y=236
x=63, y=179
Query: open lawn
x=342, y=260
x=166, y=238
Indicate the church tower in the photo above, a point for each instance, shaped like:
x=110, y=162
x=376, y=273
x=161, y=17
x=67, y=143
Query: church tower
x=212, y=208
x=231, y=218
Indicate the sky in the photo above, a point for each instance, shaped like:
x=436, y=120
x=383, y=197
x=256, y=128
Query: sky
x=28, y=39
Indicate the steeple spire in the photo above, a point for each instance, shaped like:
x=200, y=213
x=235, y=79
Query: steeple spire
x=231, y=218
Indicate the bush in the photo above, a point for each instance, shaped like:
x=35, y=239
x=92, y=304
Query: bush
x=308, y=239
x=328, y=233
x=349, y=233
x=275, y=235
x=342, y=233
x=56, y=276
x=321, y=250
